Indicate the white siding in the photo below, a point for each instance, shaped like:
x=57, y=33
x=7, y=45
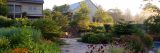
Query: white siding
x=29, y=8
x=34, y=9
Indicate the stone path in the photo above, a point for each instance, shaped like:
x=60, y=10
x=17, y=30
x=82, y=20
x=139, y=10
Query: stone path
x=73, y=46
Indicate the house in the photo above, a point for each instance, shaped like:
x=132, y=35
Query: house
x=29, y=8
x=93, y=8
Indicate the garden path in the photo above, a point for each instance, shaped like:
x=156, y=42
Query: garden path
x=73, y=46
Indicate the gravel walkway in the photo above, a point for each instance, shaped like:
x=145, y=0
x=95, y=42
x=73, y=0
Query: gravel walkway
x=73, y=46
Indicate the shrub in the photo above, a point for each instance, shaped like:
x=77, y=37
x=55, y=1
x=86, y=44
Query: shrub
x=140, y=43
x=148, y=41
x=46, y=48
x=127, y=29
x=6, y=22
x=152, y=24
x=98, y=29
x=4, y=42
x=123, y=29
x=25, y=37
x=20, y=37
x=49, y=28
x=20, y=22
x=99, y=38
x=135, y=43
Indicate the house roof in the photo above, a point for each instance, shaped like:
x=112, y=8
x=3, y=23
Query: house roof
x=28, y=1
x=74, y=6
x=38, y=1
x=77, y=5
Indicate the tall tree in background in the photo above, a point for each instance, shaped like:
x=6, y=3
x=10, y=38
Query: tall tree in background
x=127, y=15
x=151, y=8
x=102, y=17
x=148, y=10
x=59, y=15
x=47, y=13
x=3, y=7
x=61, y=19
x=116, y=14
x=81, y=17
x=63, y=8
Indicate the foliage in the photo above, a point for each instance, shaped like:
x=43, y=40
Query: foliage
x=116, y=14
x=6, y=22
x=139, y=43
x=148, y=41
x=19, y=37
x=63, y=8
x=152, y=24
x=49, y=28
x=25, y=38
x=62, y=20
x=83, y=23
x=4, y=42
x=127, y=28
x=97, y=29
x=3, y=7
x=102, y=16
x=135, y=43
x=47, y=13
x=123, y=29
x=115, y=49
x=61, y=15
x=46, y=48
x=96, y=38
x=84, y=8
x=81, y=17
x=21, y=22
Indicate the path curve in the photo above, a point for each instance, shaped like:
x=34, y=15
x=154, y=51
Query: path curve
x=73, y=46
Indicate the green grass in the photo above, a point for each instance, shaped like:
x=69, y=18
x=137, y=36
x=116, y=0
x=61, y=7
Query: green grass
x=115, y=49
x=46, y=48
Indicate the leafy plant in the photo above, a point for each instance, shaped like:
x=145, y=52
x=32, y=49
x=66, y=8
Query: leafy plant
x=139, y=43
x=20, y=37
x=4, y=42
x=49, y=28
x=6, y=22
x=152, y=24
x=96, y=38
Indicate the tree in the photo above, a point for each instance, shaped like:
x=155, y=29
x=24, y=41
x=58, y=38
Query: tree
x=3, y=7
x=149, y=7
x=127, y=15
x=152, y=24
x=102, y=16
x=61, y=19
x=47, y=13
x=63, y=8
x=61, y=15
x=81, y=17
x=116, y=14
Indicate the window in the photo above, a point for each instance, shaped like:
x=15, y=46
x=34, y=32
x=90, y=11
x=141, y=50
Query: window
x=11, y=8
x=32, y=8
x=17, y=9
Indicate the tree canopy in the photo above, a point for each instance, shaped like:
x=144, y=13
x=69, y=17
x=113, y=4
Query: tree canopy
x=81, y=17
x=116, y=14
x=63, y=8
x=102, y=16
x=3, y=7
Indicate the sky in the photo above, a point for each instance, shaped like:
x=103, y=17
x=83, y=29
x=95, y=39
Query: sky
x=133, y=5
